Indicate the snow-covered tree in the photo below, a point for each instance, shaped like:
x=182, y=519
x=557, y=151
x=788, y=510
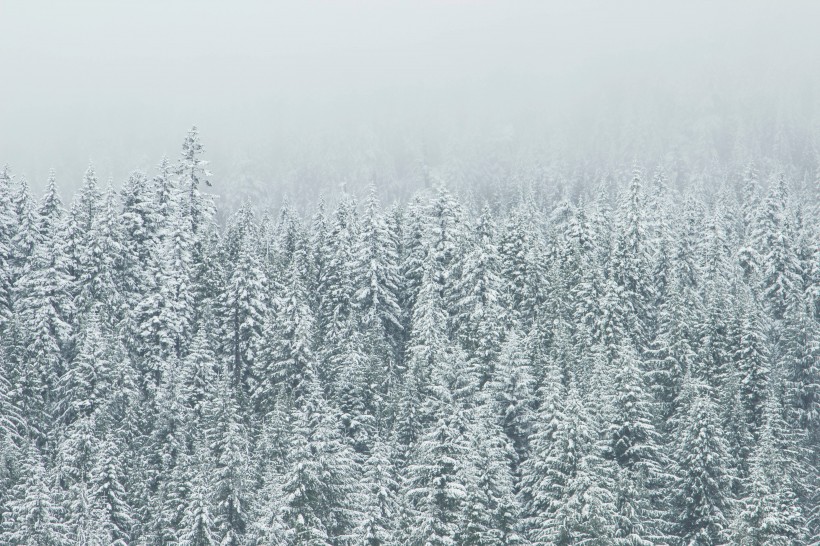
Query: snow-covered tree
x=33, y=515
x=702, y=490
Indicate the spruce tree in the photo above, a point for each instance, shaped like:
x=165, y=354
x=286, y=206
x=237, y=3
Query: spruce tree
x=701, y=495
x=434, y=488
x=319, y=502
x=377, y=276
x=288, y=352
x=108, y=490
x=242, y=310
x=381, y=511
x=769, y=511
x=33, y=514
x=479, y=313
x=7, y=233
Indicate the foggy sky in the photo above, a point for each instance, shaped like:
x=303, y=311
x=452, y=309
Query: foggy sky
x=271, y=83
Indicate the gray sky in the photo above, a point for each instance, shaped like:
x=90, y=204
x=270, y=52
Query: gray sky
x=120, y=82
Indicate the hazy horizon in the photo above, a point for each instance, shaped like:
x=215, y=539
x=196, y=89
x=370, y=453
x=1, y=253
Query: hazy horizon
x=273, y=86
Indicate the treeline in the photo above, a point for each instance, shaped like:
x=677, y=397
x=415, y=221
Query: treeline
x=637, y=365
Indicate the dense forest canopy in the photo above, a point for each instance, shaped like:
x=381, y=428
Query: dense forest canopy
x=624, y=356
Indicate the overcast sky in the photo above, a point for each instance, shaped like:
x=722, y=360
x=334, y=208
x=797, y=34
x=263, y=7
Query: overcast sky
x=120, y=82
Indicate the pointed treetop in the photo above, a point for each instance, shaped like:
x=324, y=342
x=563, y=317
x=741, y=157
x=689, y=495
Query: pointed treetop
x=191, y=162
x=90, y=176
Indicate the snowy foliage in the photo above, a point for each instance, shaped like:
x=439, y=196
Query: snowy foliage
x=626, y=361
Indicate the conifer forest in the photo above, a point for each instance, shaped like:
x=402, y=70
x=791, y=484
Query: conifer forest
x=409, y=273
x=632, y=362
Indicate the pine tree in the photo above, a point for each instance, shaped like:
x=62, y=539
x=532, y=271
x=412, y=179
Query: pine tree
x=479, y=313
x=715, y=349
x=317, y=257
x=140, y=224
x=169, y=313
x=630, y=258
x=197, y=525
x=32, y=515
x=7, y=232
x=108, y=490
x=12, y=432
x=27, y=234
x=491, y=513
x=196, y=211
x=271, y=449
x=446, y=231
x=769, y=512
x=88, y=203
x=242, y=308
x=701, y=493
x=512, y=396
x=287, y=236
x=587, y=283
x=83, y=214
x=76, y=455
x=359, y=405
x=198, y=376
x=335, y=317
x=415, y=258
x=164, y=187
x=12, y=421
x=672, y=354
x=801, y=362
x=44, y=307
x=288, y=354
x=566, y=488
x=780, y=269
x=381, y=510
x=428, y=345
x=101, y=262
x=191, y=172
x=634, y=444
x=86, y=522
x=514, y=248
x=230, y=449
x=751, y=357
x=750, y=197
x=87, y=378
x=434, y=488
x=377, y=274
x=170, y=458
x=319, y=505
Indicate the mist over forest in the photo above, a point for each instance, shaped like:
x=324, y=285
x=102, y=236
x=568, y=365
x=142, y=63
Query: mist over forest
x=297, y=99
x=387, y=273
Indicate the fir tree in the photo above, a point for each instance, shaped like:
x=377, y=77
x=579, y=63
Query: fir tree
x=769, y=512
x=512, y=396
x=434, y=489
x=288, y=354
x=480, y=315
x=197, y=523
x=108, y=490
x=377, y=273
x=701, y=493
x=33, y=515
x=381, y=510
x=318, y=503
x=231, y=451
x=242, y=308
